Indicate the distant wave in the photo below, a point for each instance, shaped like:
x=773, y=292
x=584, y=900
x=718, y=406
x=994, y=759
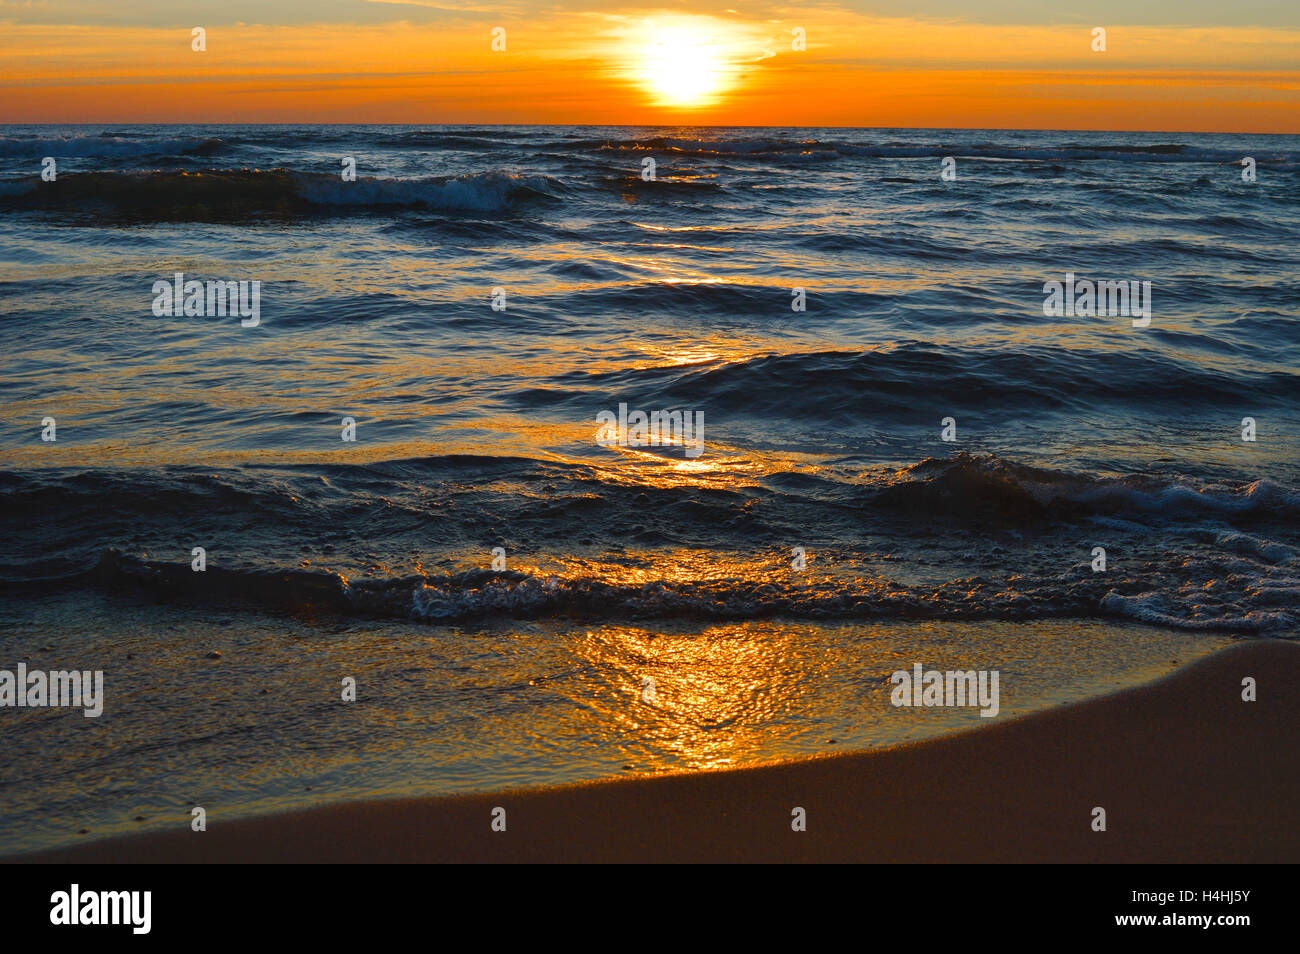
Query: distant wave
x=1071, y=152
x=480, y=192
x=68, y=147
x=450, y=139
x=130, y=146
x=242, y=191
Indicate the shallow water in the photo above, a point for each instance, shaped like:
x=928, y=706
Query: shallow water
x=446, y=709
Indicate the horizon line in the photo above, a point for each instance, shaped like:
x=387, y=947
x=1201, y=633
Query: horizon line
x=1152, y=132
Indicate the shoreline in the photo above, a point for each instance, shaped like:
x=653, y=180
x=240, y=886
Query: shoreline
x=1186, y=771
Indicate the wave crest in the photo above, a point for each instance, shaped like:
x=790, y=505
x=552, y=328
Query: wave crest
x=235, y=193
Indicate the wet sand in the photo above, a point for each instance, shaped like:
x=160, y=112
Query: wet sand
x=1185, y=770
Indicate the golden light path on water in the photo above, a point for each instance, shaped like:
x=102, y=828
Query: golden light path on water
x=735, y=693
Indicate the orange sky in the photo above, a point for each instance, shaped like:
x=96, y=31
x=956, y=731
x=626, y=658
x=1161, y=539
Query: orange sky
x=648, y=66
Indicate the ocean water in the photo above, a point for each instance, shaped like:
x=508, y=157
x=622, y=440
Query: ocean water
x=476, y=427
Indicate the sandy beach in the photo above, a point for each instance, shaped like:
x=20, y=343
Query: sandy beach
x=1186, y=770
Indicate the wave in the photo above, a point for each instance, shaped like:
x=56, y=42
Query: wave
x=355, y=539
x=477, y=595
x=240, y=192
x=1070, y=152
x=451, y=489
x=106, y=146
x=250, y=141
x=971, y=485
x=466, y=141
x=853, y=385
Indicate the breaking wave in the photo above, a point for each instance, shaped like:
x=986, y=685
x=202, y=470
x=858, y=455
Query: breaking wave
x=237, y=192
x=1009, y=541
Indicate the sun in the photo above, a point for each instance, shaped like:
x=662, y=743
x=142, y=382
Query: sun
x=683, y=67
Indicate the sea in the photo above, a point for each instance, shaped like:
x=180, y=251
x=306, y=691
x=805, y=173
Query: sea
x=367, y=532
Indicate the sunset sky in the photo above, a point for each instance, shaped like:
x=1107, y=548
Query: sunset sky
x=1170, y=65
